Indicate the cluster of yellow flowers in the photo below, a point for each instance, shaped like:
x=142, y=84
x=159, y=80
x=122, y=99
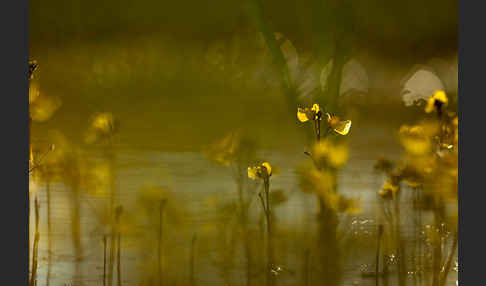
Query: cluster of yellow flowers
x=314, y=113
x=328, y=156
x=430, y=162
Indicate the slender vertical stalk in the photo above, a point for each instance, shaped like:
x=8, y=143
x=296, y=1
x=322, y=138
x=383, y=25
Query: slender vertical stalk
x=119, y=211
x=110, y=155
x=437, y=248
x=35, y=247
x=76, y=229
x=243, y=213
x=161, y=214
x=104, y=260
x=306, y=267
x=448, y=264
x=192, y=277
x=377, y=260
x=49, y=232
x=270, y=262
x=399, y=243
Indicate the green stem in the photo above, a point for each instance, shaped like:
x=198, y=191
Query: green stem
x=192, y=261
x=270, y=262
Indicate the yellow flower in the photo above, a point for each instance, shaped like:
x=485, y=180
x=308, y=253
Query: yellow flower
x=389, y=189
x=340, y=127
x=252, y=173
x=102, y=127
x=306, y=114
x=436, y=101
x=103, y=122
x=416, y=139
x=262, y=171
x=268, y=168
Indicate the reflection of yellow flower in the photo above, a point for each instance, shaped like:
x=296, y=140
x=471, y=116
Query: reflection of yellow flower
x=262, y=171
x=334, y=154
x=436, y=101
x=306, y=114
x=340, y=127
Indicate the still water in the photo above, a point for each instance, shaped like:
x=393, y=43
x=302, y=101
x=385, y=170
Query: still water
x=199, y=185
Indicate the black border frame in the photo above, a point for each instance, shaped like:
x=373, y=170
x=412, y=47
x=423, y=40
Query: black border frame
x=14, y=26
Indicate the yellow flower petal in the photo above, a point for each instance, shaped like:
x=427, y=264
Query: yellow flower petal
x=439, y=96
x=342, y=127
x=301, y=115
x=252, y=173
x=268, y=168
x=315, y=108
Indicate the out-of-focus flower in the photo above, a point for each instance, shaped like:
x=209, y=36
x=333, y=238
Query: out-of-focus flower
x=262, y=171
x=312, y=180
x=43, y=107
x=340, y=127
x=103, y=126
x=436, y=101
x=334, y=154
x=390, y=187
x=224, y=151
x=306, y=114
x=416, y=139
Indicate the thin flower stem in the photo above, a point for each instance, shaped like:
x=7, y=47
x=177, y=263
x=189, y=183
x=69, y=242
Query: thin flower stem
x=270, y=277
x=161, y=214
x=192, y=277
x=377, y=260
x=118, y=254
x=448, y=265
x=35, y=247
x=104, y=260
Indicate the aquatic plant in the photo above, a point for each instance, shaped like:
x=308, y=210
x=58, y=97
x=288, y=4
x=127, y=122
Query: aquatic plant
x=263, y=172
x=429, y=169
x=236, y=150
x=328, y=156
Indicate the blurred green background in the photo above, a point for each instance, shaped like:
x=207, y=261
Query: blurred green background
x=187, y=71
